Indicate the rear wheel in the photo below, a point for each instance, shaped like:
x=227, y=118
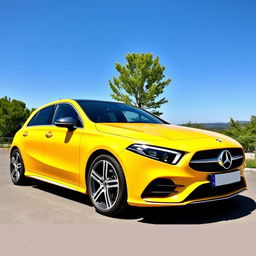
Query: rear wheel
x=106, y=185
x=17, y=168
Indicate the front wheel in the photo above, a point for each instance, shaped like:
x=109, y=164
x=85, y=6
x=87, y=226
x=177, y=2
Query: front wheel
x=107, y=186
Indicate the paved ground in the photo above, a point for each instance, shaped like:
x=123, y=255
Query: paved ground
x=41, y=203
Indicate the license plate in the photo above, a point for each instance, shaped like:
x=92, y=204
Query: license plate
x=225, y=178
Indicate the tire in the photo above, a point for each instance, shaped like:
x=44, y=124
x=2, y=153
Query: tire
x=106, y=186
x=17, y=168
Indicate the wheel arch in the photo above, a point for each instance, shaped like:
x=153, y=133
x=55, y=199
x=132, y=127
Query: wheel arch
x=12, y=149
x=119, y=202
x=96, y=153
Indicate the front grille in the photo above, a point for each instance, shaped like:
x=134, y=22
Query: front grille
x=161, y=187
x=206, y=190
x=208, y=160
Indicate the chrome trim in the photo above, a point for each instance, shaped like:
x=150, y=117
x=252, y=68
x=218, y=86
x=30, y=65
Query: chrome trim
x=236, y=157
x=197, y=202
x=209, y=160
x=225, y=157
x=216, y=199
x=52, y=182
x=213, y=160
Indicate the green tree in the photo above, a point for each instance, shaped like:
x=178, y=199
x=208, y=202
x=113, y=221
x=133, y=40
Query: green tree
x=245, y=134
x=251, y=126
x=13, y=113
x=140, y=82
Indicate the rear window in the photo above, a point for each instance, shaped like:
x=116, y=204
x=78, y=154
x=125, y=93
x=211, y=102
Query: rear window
x=42, y=117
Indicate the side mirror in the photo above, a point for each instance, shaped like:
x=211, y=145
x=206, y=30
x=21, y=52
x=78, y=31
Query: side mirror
x=68, y=122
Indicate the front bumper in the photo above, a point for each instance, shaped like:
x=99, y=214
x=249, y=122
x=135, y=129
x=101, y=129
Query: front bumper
x=140, y=171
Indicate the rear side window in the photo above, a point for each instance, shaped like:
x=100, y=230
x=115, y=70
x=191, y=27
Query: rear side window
x=66, y=110
x=42, y=117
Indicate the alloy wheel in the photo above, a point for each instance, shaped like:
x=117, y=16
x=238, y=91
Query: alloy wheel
x=16, y=166
x=104, y=185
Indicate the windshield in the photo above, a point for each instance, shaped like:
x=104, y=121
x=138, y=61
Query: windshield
x=110, y=112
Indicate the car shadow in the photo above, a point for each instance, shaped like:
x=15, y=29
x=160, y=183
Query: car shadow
x=223, y=210
x=62, y=192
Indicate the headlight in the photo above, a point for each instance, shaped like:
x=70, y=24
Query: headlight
x=161, y=154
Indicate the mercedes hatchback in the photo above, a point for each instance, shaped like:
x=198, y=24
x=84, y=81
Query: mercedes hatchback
x=121, y=155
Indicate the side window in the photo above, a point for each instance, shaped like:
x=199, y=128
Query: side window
x=66, y=110
x=33, y=120
x=42, y=117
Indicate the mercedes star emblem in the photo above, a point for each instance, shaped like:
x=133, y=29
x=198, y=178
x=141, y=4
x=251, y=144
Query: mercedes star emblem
x=225, y=159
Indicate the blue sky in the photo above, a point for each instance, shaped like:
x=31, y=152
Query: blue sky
x=67, y=49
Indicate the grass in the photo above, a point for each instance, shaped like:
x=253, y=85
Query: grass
x=250, y=163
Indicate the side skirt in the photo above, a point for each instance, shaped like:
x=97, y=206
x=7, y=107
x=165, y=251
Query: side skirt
x=55, y=182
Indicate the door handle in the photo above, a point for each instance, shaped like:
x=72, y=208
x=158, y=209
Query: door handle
x=48, y=135
x=25, y=134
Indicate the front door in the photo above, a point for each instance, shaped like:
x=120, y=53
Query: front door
x=61, y=147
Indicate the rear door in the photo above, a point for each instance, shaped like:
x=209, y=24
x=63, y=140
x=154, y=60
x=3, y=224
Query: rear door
x=32, y=139
x=61, y=147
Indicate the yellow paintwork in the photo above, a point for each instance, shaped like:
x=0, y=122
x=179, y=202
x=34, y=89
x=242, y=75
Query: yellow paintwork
x=62, y=158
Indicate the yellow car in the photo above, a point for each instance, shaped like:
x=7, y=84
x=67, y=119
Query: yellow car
x=121, y=155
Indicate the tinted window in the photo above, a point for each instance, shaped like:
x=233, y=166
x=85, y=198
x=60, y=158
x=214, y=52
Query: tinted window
x=110, y=112
x=42, y=117
x=134, y=117
x=33, y=120
x=66, y=110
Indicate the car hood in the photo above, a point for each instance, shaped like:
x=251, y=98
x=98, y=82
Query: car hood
x=155, y=131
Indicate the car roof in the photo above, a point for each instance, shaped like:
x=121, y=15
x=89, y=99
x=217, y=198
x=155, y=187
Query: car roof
x=77, y=101
x=90, y=100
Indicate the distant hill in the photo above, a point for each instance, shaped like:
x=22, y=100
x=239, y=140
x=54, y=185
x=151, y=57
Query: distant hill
x=215, y=126
x=218, y=126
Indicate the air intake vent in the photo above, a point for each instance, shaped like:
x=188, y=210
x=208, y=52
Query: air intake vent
x=159, y=188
